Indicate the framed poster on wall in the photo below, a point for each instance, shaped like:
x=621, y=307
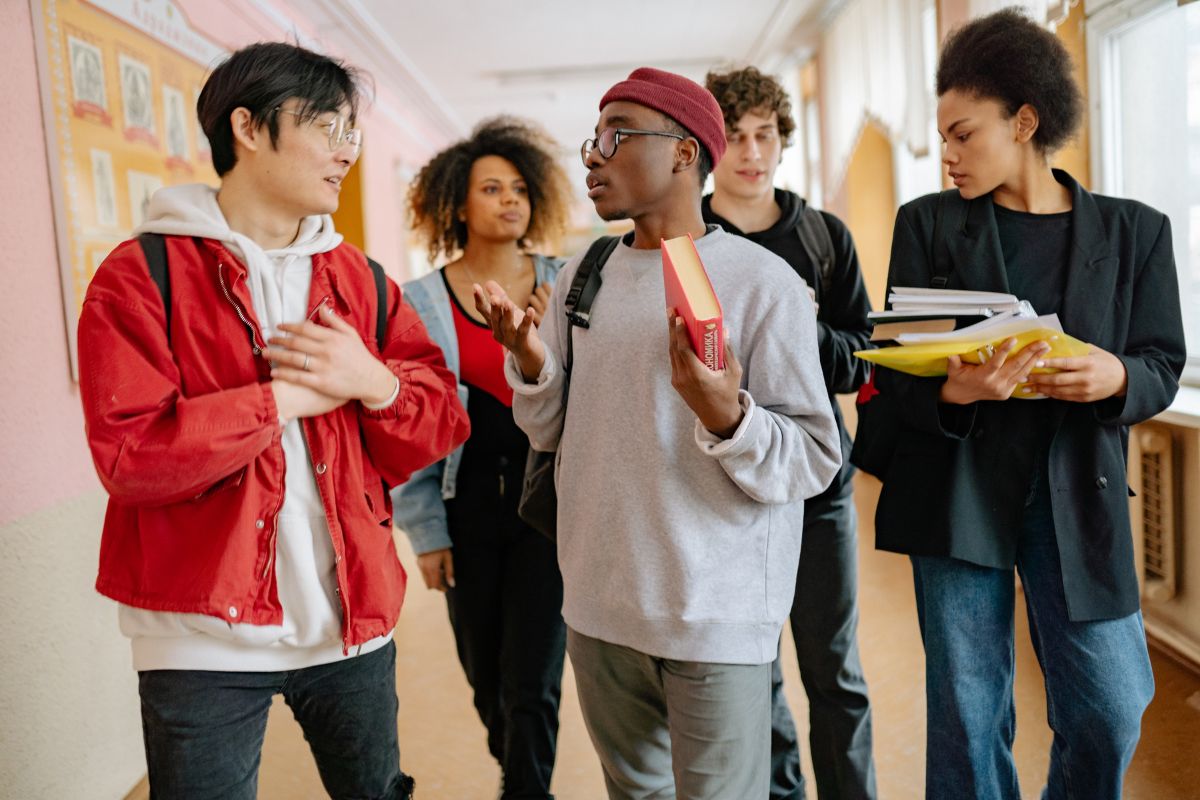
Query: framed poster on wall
x=119, y=81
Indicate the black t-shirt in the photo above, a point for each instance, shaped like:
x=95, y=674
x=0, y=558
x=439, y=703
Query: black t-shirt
x=1036, y=249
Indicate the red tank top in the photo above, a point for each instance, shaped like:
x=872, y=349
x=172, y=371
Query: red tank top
x=480, y=357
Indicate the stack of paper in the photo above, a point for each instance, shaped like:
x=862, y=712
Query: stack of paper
x=926, y=311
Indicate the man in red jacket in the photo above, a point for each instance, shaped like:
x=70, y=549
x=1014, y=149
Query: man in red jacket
x=246, y=417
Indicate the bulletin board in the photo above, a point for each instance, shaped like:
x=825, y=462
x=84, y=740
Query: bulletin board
x=119, y=82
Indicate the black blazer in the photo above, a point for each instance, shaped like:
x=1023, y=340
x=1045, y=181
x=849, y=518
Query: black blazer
x=947, y=491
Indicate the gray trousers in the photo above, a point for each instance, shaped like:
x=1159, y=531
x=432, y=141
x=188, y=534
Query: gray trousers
x=668, y=729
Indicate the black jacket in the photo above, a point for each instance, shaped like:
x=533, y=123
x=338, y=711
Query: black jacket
x=842, y=325
x=949, y=490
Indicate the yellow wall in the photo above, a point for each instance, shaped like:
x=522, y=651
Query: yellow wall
x=869, y=200
x=348, y=219
x=1074, y=157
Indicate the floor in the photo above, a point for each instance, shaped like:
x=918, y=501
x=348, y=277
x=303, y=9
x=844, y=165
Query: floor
x=442, y=741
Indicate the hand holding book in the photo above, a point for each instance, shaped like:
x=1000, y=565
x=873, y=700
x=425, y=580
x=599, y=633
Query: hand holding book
x=712, y=396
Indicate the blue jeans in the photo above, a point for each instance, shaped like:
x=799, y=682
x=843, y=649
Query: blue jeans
x=824, y=622
x=204, y=730
x=1097, y=674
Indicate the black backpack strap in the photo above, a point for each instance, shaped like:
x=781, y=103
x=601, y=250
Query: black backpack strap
x=586, y=282
x=154, y=247
x=942, y=265
x=584, y=286
x=380, y=301
x=818, y=245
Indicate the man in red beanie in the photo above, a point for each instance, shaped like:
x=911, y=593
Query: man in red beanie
x=681, y=490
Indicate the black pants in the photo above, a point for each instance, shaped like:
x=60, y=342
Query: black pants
x=506, y=611
x=824, y=622
x=204, y=730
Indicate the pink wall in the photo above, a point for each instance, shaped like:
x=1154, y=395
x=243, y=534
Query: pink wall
x=43, y=457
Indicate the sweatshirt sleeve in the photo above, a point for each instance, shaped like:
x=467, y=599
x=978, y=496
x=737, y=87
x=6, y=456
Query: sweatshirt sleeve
x=151, y=444
x=787, y=447
x=538, y=406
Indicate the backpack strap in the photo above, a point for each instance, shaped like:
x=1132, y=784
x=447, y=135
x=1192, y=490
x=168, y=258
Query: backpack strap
x=380, y=301
x=818, y=245
x=586, y=282
x=942, y=265
x=584, y=286
x=154, y=248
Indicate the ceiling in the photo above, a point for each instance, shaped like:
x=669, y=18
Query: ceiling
x=462, y=61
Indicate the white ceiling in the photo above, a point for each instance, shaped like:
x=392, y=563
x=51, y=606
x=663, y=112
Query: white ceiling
x=462, y=61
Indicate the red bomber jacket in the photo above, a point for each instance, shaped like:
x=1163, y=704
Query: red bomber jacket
x=186, y=437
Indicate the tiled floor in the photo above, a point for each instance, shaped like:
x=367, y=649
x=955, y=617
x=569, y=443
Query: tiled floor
x=442, y=742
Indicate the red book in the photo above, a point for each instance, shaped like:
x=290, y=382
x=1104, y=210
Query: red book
x=691, y=295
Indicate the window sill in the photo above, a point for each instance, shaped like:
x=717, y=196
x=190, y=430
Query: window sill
x=1185, y=410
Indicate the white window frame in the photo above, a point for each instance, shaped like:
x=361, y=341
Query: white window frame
x=1105, y=20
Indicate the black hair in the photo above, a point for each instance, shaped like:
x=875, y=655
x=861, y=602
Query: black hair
x=704, y=162
x=263, y=76
x=440, y=188
x=1009, y=58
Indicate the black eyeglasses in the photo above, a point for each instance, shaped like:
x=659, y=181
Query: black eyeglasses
x=608, y=139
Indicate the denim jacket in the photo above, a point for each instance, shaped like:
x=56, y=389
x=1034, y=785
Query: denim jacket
x=420, y=510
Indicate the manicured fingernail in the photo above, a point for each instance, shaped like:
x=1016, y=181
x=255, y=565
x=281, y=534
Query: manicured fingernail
x=1039, y=364
x=450, y=582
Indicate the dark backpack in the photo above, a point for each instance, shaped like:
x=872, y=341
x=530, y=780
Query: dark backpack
x=539, y=500
x=878, y=420
x=154, y=247
x=818, y=245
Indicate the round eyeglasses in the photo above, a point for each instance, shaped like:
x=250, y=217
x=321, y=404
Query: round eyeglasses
x=338, y=129
x=608, y=140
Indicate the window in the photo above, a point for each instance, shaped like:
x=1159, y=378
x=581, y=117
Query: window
x=1145, y=82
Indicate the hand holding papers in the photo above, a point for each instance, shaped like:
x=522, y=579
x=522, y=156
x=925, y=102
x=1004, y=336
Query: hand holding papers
x=927, y=354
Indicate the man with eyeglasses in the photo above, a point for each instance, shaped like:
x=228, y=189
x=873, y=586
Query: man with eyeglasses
x=250, y=384
x=824, y=616
x=681, y=490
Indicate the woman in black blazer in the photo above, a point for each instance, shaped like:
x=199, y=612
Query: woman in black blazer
x=980, y=484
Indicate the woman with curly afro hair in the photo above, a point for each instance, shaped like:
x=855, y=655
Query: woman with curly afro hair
x=1019, y=463
x=482, y=202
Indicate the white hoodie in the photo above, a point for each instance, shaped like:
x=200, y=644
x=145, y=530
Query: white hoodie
x=279, y=282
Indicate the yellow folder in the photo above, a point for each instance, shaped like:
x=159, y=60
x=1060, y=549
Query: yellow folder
x=929, y=360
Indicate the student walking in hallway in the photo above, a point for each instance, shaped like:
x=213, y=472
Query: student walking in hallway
x=681, y=490
x=488, y=197
x=248, y=391
x=1038, y=486
x=824, y=614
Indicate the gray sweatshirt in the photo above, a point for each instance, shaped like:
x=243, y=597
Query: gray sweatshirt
x=672, y=541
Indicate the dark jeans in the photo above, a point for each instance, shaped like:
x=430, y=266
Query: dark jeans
x=824, y=622
x=204, y=730
x=506, y=611
x=1097, y=673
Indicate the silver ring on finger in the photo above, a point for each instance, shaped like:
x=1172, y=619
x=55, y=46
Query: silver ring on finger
x=304, y=366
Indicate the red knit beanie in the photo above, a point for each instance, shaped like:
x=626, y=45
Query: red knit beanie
x=683, y=100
